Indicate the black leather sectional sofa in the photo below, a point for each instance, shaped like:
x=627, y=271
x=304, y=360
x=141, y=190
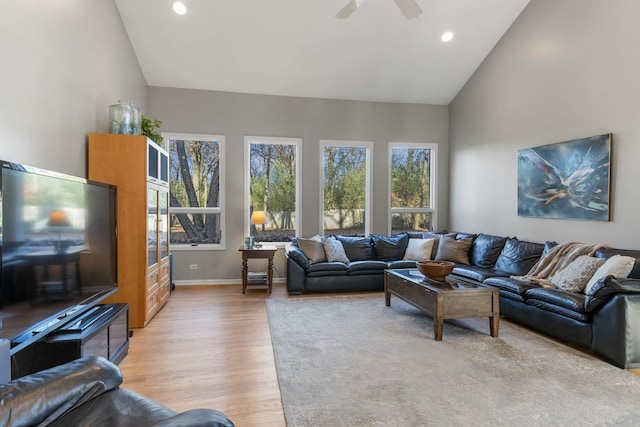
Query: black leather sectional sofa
x=86, y=392
x=605, y=320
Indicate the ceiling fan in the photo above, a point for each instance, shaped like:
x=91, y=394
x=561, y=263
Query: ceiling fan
x=409, y=8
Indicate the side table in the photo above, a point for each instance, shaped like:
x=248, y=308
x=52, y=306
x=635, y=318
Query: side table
x=262, y=252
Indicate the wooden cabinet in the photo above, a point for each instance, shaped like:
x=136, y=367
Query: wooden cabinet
x=140, y=170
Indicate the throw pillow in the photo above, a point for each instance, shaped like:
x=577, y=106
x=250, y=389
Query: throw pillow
x=357, y=248
x=390, y=248
x=486, y=250
x=618, y=266
x=334, y=250
x=436, y=241
x=313, y=249
x=574, y=277
x=419, y=249
x=518, y=256
x=450, y=249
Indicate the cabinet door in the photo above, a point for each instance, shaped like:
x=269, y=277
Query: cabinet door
x=164, y=167
x=152, y=166
x=163, y=223
x=152, y=226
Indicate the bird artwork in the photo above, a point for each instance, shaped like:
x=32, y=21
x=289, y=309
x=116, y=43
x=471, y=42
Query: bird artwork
x=568, y=180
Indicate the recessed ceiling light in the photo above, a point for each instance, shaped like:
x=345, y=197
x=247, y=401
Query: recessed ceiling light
x=179, y=8
x=447, y=36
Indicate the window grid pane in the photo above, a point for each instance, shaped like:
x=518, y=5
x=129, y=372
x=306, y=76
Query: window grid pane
x=195, y=191
x=195, y=228
x=407, y=221
x=345, y=175
x=410, y=177
x=273, y=180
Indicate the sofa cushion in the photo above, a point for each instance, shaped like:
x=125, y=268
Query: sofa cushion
x=298, y=256
x=574, y=277
x=617, y=266
x=571, y=300
x=553, y=308
x=460, y=236
x=486, y=249
x=518, y=257
x=569, y=304
x=390, y=248
x=312, y=248
x=450, y=249
x=334, y=250
x=357, y=248
x=327, y=269
x=548, y=245
x=415, y=234
x=598, y=294
x=403, y=263
x=479, y=274
x=366, y=267
x=511, y=287
x=607, y=253
x=604, y=288
x=419, y=249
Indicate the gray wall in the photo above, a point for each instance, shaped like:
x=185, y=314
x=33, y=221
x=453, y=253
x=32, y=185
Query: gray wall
x=63, y=64
x=237, y=115
x=565, y=70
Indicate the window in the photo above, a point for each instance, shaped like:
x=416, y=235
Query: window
x=412, y=182
x=345, y=198
x=197, y=190
x=272, y=187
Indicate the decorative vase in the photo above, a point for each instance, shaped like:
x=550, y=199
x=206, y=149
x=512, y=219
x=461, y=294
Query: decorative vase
x=435, y=270
x=124, y=118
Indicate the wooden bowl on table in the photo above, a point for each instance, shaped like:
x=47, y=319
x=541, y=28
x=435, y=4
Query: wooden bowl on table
x=435, y=270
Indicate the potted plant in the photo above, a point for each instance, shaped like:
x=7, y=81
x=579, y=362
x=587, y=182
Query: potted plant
x=150, y=129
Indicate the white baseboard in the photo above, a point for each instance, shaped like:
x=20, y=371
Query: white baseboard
x=216, y=282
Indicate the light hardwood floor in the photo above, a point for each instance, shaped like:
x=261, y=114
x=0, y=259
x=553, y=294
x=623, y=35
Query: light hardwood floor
x=210, y=347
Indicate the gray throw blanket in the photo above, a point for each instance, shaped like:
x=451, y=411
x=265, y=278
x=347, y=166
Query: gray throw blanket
x=555, y=260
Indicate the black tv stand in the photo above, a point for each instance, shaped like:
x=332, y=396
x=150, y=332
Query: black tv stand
x=101, y=332
x=87, y=319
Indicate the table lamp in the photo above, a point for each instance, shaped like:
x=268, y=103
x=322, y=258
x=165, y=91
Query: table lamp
x=58, y=218
x=258, y=217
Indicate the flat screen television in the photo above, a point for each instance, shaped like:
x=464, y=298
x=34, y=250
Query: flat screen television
x=58, y=250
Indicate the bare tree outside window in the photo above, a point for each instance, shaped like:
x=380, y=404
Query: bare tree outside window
x=273, y=188
x=195, y=198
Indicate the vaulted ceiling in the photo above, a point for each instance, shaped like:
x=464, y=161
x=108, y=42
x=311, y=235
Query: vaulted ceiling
x=299, y=48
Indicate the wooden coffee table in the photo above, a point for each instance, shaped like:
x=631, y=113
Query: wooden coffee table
x=452, y=299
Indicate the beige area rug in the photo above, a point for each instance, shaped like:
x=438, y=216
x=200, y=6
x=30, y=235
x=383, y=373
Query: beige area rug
x=351, y=361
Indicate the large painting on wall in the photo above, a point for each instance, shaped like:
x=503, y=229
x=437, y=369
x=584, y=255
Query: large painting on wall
x=568, y=180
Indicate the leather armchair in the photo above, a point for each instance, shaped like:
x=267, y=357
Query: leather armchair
x=86, y=392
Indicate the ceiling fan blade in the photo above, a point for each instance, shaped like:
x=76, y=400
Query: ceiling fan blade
x=351, y=7
x=409, y=8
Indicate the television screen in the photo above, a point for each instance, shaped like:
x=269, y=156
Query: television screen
x=58, y=250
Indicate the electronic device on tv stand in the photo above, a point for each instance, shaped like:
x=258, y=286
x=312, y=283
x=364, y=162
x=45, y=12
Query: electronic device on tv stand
x=57, y=250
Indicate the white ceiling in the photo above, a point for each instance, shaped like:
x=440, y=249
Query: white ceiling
x=299, y=48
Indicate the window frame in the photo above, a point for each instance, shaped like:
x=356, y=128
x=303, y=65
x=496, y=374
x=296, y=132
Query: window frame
x=368, y=145
x=433, y=165
x=220, y=139
x=256, y=139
